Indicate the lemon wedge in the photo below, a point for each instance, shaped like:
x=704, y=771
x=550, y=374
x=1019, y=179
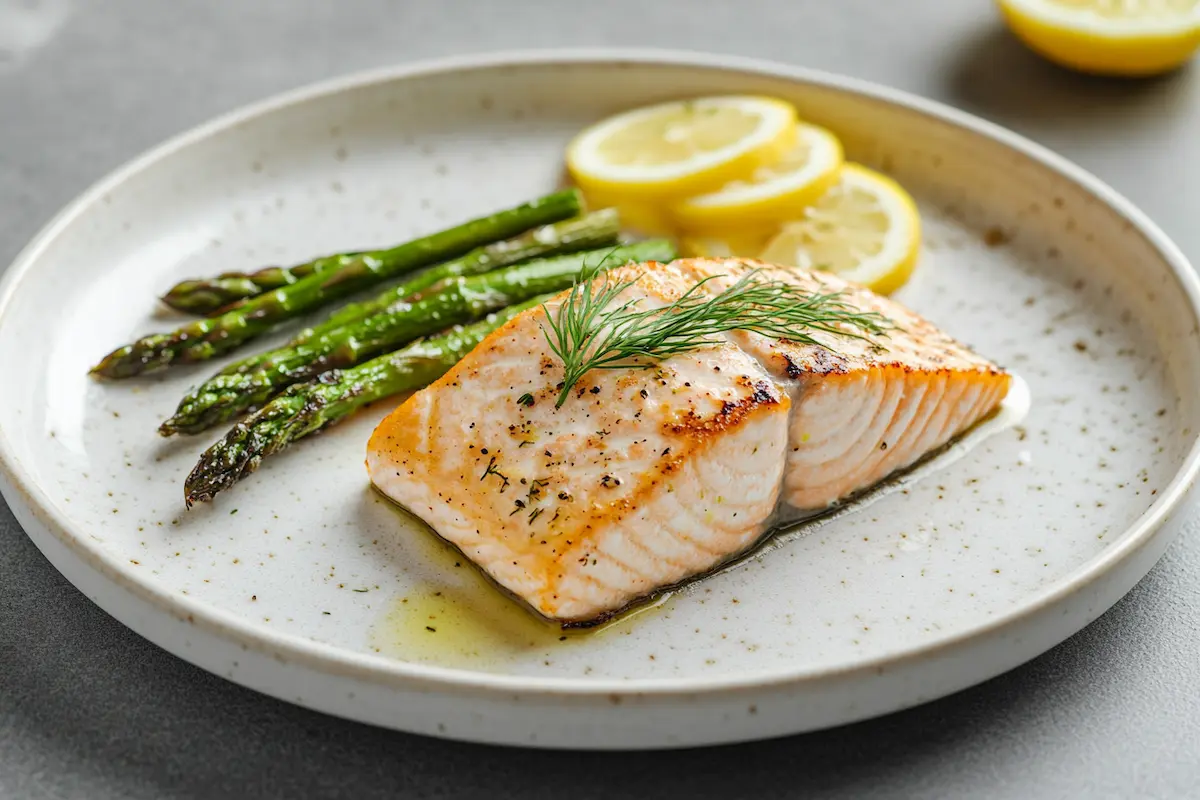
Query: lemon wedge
x=681, y=148
x=865, y=228
x=771, y=193
x=1127, y=38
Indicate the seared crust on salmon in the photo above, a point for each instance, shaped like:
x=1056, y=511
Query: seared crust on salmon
x=647, y=477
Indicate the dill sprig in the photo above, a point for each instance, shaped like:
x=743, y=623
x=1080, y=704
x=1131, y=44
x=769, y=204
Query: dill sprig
x=586, y=333
x=491, y=470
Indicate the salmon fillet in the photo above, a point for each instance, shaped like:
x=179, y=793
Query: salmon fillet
x=646, y=478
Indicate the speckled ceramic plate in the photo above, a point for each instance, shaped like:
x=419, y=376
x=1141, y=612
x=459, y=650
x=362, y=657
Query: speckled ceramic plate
x=303, y=584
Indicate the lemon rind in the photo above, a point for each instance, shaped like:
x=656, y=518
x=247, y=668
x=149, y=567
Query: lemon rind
x=1120, y=29
x=779, y=120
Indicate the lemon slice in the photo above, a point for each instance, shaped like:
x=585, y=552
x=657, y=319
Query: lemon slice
x=681, y=148
x=865, y=229
x=639, y=215
x=1109, y=37
x=733, y=245
x=773, y=192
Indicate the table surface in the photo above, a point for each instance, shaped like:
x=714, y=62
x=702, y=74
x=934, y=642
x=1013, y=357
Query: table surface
x=88, y=709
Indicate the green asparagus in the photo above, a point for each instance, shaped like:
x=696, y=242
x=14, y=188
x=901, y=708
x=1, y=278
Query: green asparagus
x=225, y=396
x=208, y=338
x=212, y=296
x=594, y=230
x=307, y=408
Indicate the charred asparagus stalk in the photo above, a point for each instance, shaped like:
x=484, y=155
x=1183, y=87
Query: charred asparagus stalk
x=584, y=233
x=211, y=296
x=460, y=300
x=310, y=407
x=208, y=338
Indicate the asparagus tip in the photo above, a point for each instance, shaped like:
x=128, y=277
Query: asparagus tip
x=114, y=365
x=209, y=297
x=217, y=469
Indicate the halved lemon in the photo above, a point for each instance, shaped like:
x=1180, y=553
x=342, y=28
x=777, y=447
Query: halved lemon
x=771, y=193
x=681, y=148
x=1108, y=37
x=865, y=229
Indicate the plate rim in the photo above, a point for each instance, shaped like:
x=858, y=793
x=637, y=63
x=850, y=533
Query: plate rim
x=329, y=658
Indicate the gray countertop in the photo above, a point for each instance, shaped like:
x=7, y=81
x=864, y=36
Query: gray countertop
x=90, y=710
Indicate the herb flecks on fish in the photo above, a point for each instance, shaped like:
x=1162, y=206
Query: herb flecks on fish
x=591, y=330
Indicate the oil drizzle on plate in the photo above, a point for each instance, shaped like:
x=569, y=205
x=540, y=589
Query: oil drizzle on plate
x=465, y=621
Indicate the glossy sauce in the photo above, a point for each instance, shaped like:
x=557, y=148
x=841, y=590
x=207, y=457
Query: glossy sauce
x=467, y=621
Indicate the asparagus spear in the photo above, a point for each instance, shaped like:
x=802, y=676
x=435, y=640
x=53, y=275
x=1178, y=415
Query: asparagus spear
x=212, y=296
x=307, y=408
x=583, y=233
x=226, y=395
x=208, y=338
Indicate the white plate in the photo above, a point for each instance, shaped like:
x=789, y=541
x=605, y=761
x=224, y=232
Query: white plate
x=964, y=574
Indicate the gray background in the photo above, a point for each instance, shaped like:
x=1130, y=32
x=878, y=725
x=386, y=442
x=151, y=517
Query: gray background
x=89, y=710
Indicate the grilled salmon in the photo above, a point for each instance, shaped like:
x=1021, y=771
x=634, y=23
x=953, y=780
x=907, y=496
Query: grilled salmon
x=646, y=478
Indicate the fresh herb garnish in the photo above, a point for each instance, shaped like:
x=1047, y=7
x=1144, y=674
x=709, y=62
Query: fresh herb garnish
x=525, y=399
x=586, y=333
x=491, y=470
x=535, y=488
